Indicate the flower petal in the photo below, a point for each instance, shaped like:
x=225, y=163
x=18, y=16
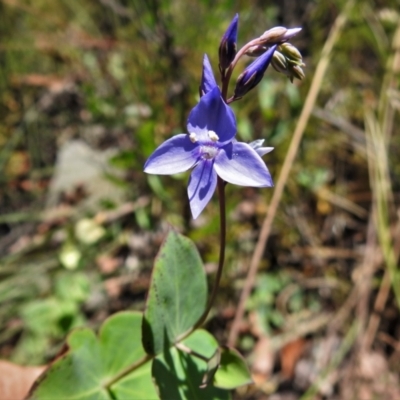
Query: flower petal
x=257, y=146
x=175, y=155
x=243, y=166
x=207, y=78
x=262, y=151
x=213, y=114
x=202, y=183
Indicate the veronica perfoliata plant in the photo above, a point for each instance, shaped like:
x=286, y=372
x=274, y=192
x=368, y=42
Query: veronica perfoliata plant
x=165, y=353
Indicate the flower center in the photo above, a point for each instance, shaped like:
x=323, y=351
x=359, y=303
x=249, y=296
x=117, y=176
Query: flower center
x=208, y=152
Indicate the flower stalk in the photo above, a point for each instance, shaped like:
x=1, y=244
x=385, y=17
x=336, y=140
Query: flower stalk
x=209, y=148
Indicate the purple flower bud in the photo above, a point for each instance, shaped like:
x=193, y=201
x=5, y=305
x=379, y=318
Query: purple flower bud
x=227, y=47
x=253, y=74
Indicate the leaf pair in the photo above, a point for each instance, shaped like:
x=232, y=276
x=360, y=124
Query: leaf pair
x=91, y=363
x=149, y=357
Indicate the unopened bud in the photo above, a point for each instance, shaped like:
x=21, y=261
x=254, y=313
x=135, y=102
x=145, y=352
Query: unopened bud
x=297, y=72
x=253, y=74
x=291, y=33
x=256, y=51
x=290, y=52
x=228, y=46
x=278, y=34
x=289, y=66
x=273, y=35
x=279, y=62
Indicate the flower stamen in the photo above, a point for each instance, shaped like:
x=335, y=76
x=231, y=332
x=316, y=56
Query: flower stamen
x=213, y=136
x=193, y=137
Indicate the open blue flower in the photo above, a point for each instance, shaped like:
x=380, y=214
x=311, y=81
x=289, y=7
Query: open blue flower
x=210, y=148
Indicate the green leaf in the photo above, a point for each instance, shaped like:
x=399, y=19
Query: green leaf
x=204, y=344
x=136, y=386
x=120, y=342
x=179, y=375
x=233, y=371
x=76, y=375
x=72, y=286
x=83, y=372
x=177, y=296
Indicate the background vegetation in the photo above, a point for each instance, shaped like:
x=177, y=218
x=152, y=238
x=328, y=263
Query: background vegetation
x=89, y=88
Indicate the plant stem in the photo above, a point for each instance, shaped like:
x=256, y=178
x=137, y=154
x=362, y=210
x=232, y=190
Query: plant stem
x=222, y=222
x=222, y=242
x=128, y=370
x=228, y=73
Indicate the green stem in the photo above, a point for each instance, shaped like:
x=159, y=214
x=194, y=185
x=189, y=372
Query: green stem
x=228, y=72
x=222, y=221
x=128, y=370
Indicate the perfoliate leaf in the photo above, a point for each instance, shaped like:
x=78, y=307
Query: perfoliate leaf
x=202, y=343
x=179, y=375
x=177, y=296
x=84, y=371
x=233, y=371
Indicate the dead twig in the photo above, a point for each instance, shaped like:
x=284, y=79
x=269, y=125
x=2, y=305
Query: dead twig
x=287, y=165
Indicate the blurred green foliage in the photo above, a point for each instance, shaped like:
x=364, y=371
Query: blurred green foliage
x=50, y=319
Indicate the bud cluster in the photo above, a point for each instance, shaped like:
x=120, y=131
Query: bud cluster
x=272, y=47
x=288, y=60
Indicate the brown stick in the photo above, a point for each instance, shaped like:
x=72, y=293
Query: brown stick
x=287, y=165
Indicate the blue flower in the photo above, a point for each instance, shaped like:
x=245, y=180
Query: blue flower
x=207, y=78
x=211, y=150
x=257, y=146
